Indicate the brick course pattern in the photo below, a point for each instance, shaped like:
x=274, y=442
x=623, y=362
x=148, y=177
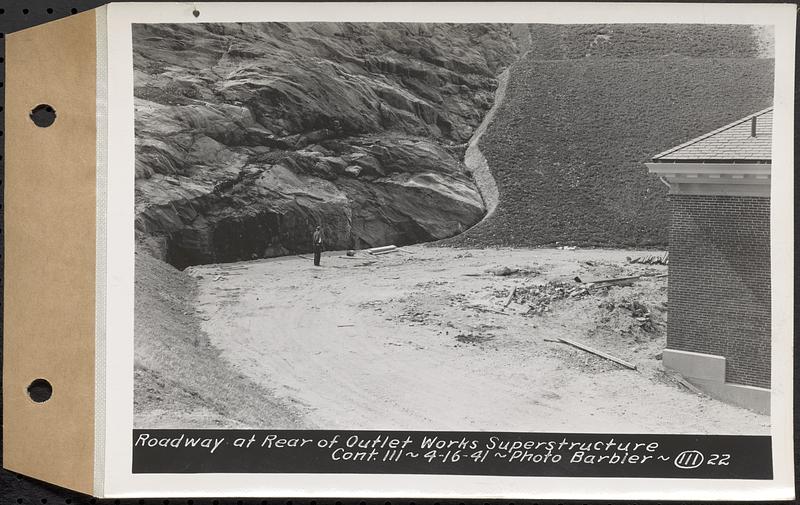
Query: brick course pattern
x=719, y=282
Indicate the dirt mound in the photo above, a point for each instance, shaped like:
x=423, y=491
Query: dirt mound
x=586, y=108
x=248, y=135
x=180, y=380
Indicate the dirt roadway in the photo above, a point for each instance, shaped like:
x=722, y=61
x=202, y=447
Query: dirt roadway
x=396, y=342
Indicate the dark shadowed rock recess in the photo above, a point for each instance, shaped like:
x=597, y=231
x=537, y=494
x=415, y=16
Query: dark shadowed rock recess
x=248, y=135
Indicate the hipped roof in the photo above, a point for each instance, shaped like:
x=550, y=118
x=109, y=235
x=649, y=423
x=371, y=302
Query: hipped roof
x=731, y=143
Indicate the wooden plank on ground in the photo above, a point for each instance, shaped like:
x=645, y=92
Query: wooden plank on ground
x=621, y=281
x=378, y=253
x=510, y=297
x=609, y=357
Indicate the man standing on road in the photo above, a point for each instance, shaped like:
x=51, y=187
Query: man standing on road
x=317, y=240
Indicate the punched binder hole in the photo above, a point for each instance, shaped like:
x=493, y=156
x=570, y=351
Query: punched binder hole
x=40, y=390
x=196, y=13
x=43, y=115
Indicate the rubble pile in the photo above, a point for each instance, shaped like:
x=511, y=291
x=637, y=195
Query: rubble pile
x=539, y=297
x=638, y=311
x=651, y=260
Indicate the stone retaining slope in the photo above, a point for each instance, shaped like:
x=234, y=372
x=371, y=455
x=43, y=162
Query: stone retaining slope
x=476, y=161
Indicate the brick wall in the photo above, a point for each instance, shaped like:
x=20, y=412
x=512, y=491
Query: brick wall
x=719, y=282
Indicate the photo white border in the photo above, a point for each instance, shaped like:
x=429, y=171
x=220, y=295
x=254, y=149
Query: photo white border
x=119, y=482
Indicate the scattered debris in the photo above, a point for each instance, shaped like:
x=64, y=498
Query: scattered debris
x=638, y=311
x=351, y=252
x=619, y=281
x=304, y=257
x=539, y=297
x=472, y=338
x=344, y=325
x=567, y=247
x=650, y=260
x=487, y=309
x=510, y=297
x=598, y=353
x=504, y=271
x=415, y=315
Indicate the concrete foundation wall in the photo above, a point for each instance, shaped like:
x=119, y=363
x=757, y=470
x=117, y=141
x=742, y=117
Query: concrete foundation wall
x=707, y=371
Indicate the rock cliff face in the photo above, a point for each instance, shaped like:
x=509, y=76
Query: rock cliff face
x=248, y=135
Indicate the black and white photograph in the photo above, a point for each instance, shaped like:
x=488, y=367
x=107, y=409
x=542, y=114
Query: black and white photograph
x=453, y=227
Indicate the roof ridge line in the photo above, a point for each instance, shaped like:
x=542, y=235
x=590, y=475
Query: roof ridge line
x=709, y=134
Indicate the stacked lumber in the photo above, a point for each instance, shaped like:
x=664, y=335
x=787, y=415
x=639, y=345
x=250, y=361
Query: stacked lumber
x=651, y=260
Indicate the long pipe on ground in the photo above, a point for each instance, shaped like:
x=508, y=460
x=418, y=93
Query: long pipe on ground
x=382, y=249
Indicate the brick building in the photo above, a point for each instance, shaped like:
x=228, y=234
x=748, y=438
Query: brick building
x=719, y=328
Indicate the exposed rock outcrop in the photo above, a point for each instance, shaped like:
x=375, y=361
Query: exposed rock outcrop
x=248, y=135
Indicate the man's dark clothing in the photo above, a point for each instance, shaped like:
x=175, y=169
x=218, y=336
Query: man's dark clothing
x=317, y=239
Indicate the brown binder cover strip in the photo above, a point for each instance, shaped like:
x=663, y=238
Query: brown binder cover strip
x=50, y=252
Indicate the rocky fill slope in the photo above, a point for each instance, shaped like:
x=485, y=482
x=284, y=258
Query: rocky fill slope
x=588, y=105
x=248, y=135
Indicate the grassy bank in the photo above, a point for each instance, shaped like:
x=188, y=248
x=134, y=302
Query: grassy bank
x=588, y=106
